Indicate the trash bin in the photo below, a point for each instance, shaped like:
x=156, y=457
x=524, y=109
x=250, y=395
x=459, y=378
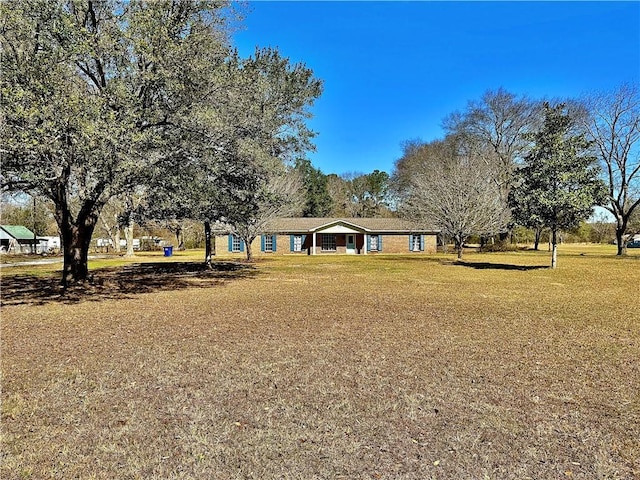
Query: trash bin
x=168, y=251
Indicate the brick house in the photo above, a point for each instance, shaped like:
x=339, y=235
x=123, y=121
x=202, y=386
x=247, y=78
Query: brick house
x=315, y=236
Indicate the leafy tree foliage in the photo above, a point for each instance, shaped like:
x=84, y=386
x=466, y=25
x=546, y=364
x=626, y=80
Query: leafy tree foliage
x=92, y=93
x=266, y=118
x=317, y=198
x=558, y=184
x=110, y=98
x=276, y=192
x=360, y=194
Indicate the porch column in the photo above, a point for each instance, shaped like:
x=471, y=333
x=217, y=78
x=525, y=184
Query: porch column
x=313, y=251
x=364, y=247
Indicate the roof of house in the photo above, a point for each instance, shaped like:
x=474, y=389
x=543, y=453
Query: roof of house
x=374, y=225
x=18, y=232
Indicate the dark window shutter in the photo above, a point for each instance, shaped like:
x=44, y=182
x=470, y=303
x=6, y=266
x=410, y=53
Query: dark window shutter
x=291, y=237
x=273, y=243
x=379, y=243
x=230, y=243
x=421, y=243
x=262, y=243
x=241, y=245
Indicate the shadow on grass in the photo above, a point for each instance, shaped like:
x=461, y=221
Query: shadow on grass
x=432, y=258
x=498, y=266
x=121, y=282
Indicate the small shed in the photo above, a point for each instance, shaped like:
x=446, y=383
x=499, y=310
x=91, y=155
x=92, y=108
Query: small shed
x=16, y=239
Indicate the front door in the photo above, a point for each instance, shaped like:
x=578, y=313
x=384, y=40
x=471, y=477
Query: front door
x=351, y=243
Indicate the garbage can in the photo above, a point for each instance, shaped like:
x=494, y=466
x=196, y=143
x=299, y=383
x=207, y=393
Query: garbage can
x=168, y=251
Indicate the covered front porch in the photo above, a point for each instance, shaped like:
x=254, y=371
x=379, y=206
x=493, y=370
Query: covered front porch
x=339, y=238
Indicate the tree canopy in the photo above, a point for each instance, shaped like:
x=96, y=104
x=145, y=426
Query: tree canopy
x=111, y=97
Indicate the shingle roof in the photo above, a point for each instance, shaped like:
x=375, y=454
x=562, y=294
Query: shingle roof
x=18, y=232
x=376, y=225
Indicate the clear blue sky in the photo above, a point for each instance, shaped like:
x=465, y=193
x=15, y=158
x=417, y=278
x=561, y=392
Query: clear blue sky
x=393, y=70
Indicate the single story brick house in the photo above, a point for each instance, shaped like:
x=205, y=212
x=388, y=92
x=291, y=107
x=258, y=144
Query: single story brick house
x=315, y=236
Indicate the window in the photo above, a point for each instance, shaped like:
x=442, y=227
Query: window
x=374, y=244
x=328, y=242
x=236, y=243
x=268, y=243
x=416, y=243
x=297, y=243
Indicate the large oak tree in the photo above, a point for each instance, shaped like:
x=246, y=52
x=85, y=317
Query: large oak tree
x=92, y=93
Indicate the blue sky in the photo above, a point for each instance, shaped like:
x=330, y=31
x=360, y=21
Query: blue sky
x=393, y=70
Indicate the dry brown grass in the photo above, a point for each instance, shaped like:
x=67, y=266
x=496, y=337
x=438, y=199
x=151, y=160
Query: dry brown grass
x=330, y=367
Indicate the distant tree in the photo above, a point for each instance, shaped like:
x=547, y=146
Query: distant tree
x=377, y=197
x=602, y=229
x=110, y=221
x=338, y=189
x=444, y=185
x=367, y=194
x=613, y=125
x=317, y=198
x=559, y=179
x=634, y=222
x=415, y=155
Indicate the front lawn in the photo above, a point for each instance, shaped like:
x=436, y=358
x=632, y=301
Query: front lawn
x=372, y=367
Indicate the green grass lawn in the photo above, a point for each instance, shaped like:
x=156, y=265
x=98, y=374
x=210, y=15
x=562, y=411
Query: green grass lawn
x=411, y=367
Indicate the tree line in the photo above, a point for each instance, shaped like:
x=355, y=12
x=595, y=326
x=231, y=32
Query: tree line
x=509, y=160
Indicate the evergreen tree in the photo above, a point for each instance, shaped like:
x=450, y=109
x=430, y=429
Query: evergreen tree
x=318, y=202
x=558, y=184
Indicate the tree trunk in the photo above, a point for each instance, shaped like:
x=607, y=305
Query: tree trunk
x=75, y=244
x=536, y=242
x=459, y=246
x=621, y=228
x=75, y=235
x=180, y=238
x=116, y=241
x=128, y=235
x=207, y=243
x=247, y=246
x=554, y=249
